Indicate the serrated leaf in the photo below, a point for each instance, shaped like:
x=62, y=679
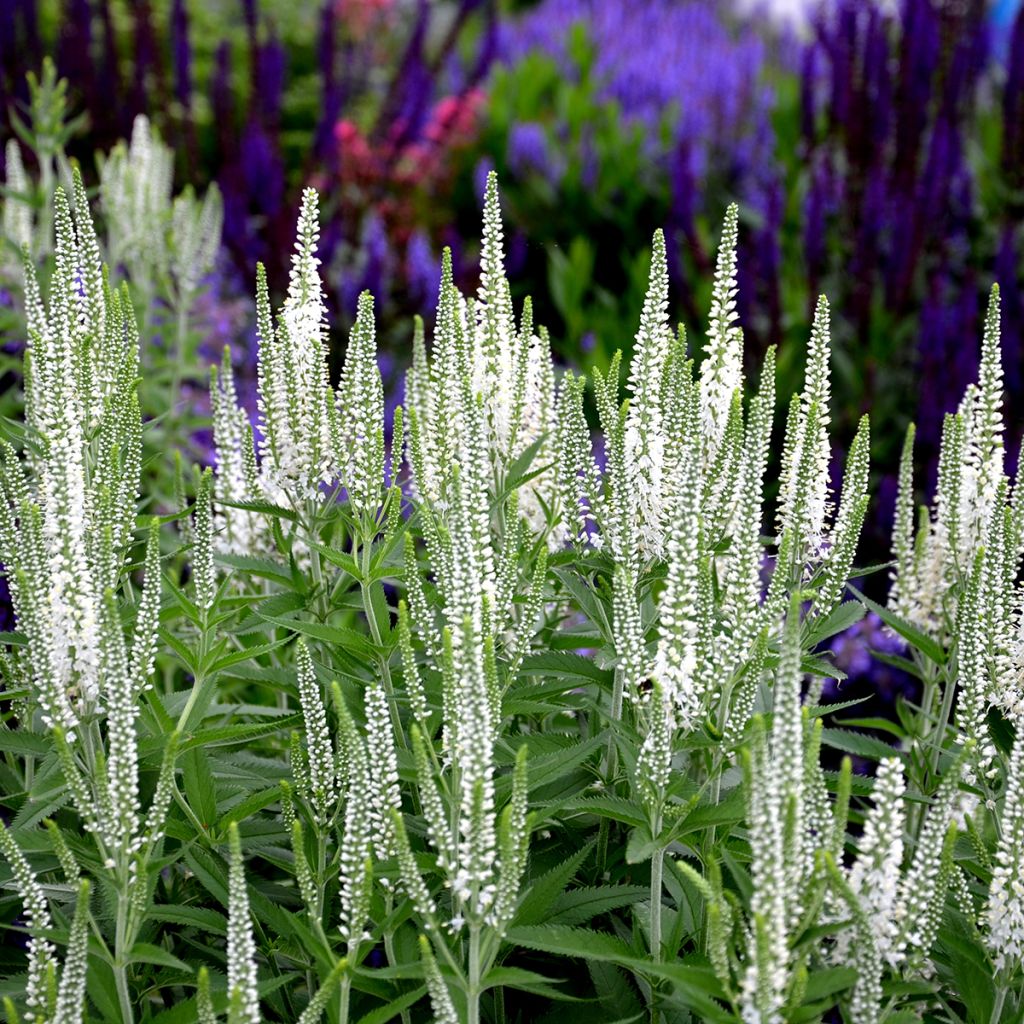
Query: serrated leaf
x=930, y=648
x=581, y=905
x=857, y=743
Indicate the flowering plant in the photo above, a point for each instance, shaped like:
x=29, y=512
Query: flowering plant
x=467, y=726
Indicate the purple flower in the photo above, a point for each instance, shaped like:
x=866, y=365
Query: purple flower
x=529, y=151
x=182, y=52
x=483, y=167
x=422, y=268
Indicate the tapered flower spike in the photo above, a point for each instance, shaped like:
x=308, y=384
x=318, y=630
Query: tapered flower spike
x=71, y=993
x=721, y=372
x=514, y=843
x=440, y=998
x=204, y=573
x=1003, y=916
x=68, y=864
x=654, y=760
x=17, y=205
x=204, y=1004
x=361, y=408
x=195, y=240
x=241, y=953
x=147, y=621
x=876, y=874
x=120, y=831
x=972, y=656
x=741, y=598
x=296, y=401
x=904, y=587
x=380, y=748
x=804, y=481
x=627, y=625
x=409, y=872
x=41, y=953
x=848, y=524
x=922, y=894
x=675, y=666
x=645, y=434
x=986, y=431
x=320, y=754
x=866, y=1000
x=767, y=972
x=135, y=192
x=354, y=856
x=315, y=1007
x=577, y=473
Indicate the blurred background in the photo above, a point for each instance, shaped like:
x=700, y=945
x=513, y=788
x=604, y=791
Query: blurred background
x=876, y=149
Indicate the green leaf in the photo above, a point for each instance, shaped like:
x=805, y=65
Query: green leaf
x=930, y=648
x=841, y=617
x=642, y=846
x=347, y=639
x=145, y=953
x=526, y=981
x=580, y=905
x=828, y=982
x=566, y=666
x=394, y=1007
x=196, y=917
x=543, y=891
x=574, y=942
x=24, y=743
x=858, y=743
x=199, y=785
x=262, y=568
x=616, y=808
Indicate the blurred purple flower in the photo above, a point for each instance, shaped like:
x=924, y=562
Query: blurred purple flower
x=529, y=151
x=483, y=167
x=182, y=53
x=422, y=268
x=852, y=652
x=661, y=61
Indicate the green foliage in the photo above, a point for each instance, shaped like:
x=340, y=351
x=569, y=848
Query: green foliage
x=507, y=735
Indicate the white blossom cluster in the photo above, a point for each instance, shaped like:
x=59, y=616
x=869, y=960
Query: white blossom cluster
x=685, y=482
x=67, y=512
x=309, y=434
x=53, y=994
x=955, y=575
x=67, y=523
x=1003, y=914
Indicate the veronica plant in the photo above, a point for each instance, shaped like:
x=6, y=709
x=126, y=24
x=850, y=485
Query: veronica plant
x=469, y=726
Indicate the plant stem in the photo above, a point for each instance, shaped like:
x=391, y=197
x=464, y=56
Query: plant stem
x=473, y=988
x=997, y=1007
x=940, y=728
x=345, y=994
x=375, y=632
x=657, y=871
x=389, y=947
x=120, y=969
x=610, y=766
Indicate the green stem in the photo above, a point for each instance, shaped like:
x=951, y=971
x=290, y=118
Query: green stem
x=178, y=372
x=389, y=949
x=382, y=661
x=200, y=677
x=120, y=955
x=610, y=767
x=345, y=995
x=997, y=1008
x=940, y=728
x=657, y=872
x=473, y=988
